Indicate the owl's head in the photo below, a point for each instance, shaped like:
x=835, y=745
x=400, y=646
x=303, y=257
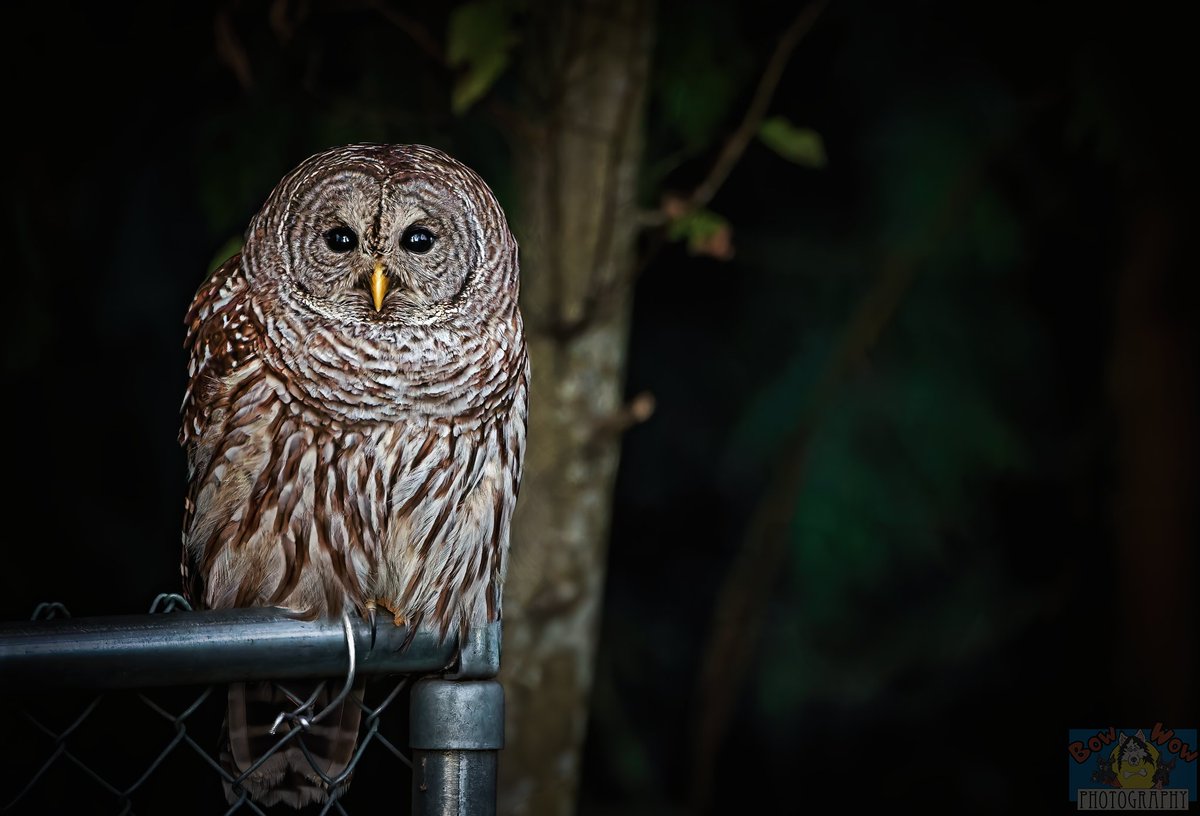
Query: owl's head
x=384, y=235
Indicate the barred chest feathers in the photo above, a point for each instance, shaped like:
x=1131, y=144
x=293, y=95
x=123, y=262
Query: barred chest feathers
x=325, y=505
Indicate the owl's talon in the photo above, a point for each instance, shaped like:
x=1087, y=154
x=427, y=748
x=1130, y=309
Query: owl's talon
x=371, y=620
x=398, y=618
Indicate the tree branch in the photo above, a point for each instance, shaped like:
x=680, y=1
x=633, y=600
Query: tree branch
x=506, y=117
x=416, y=32
x=230, y=50
x=672, y=207
x=602, y=293
x=736, y=145
x=635, y=412
x=744, y=598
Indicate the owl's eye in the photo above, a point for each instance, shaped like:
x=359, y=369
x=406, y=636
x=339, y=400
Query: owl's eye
x=417, y=239
x=341, y=239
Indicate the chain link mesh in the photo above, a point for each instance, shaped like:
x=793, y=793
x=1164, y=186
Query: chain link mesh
x=126, y=752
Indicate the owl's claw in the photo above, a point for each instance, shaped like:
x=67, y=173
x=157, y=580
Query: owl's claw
x=371, y=620
x=398, y=618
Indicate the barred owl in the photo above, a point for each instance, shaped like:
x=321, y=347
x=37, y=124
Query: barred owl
x=354, y=419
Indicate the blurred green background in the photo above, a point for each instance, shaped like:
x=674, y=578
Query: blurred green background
x=923, y=368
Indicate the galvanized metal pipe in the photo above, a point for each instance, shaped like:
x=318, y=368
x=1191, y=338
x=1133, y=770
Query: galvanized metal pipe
x=456, y=729
x=210, y=646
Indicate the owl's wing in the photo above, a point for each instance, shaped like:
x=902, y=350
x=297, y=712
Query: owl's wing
x=222, y=336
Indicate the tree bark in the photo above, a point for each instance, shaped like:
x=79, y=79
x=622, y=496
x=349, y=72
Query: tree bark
x=584, y=82
x=1155, y=401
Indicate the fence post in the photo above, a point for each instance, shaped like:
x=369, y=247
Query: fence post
x=457, y=728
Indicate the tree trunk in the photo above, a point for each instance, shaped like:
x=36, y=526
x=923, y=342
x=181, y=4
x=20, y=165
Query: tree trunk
x=1155, y=404
x=584, y=81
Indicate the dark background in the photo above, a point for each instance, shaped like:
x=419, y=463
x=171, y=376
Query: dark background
x=993, y=538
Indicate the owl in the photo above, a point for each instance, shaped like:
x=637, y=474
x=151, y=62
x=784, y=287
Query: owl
x=354, y=421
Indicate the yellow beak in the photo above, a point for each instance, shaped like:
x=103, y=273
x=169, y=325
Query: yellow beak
x=379, y=285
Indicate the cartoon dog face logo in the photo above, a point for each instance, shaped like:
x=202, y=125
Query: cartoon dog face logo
x=1135, y=761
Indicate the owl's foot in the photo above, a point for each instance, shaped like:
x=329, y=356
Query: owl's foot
x=397, y=618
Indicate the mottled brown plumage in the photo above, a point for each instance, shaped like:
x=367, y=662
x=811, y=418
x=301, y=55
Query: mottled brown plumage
x=341, y=453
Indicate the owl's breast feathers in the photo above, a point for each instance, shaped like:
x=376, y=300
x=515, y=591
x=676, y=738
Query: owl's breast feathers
x=312, y=490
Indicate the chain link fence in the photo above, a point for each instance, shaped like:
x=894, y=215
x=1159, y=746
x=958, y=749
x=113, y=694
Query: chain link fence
x=86, y=733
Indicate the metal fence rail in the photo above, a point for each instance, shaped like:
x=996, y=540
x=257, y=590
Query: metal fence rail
x=455, y=716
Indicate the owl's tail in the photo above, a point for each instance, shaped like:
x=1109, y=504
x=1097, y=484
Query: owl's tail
x=289, y=775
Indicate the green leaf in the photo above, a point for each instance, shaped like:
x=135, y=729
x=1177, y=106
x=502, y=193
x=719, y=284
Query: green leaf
x=480, y=38
x=695, y=225
x=706, y=233
x=801, y=145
